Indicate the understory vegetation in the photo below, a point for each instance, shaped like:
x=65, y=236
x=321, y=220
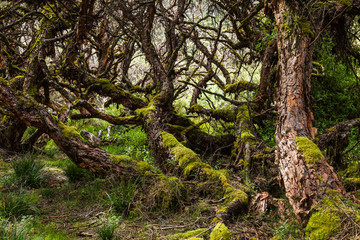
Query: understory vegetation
x=45, y=196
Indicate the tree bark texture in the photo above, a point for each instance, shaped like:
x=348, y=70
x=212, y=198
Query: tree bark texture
x=11, y=133
x=304, y=183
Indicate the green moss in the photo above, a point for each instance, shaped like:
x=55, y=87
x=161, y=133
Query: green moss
x=142, y=167
x=221, y=174
x=181, y=153
x=195, y=238
x=144, y=111
x=196, y=107
x=220, y=232
x=195, y=165
x=69, y=132
x=120, y=159
x=243, y=114
x=189, y=234
x=323, y=224
x=330, y=216
x=240, y=86
x=232, y=195
x=344, y=2
x=309, y=149
x=305, y=27
x=225, y=114
x=168, y=193
x=106, y=84
x=351, y=182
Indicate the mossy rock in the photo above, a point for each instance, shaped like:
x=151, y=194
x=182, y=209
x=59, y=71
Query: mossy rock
x=309, y=149
x=232, y=194
x=220, y=232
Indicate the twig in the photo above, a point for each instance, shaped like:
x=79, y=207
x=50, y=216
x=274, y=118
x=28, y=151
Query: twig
x=199, y=234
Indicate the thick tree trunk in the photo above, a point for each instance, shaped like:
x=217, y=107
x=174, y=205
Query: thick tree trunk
x=11, y=132
x=305, y=179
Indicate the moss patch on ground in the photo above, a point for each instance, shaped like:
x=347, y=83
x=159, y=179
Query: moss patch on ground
x=331, y=215
x=323, y=224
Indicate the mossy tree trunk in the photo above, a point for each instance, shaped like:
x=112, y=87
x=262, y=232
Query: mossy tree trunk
x=305, y=173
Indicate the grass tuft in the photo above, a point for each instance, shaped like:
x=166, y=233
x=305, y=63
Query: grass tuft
x=74, y=173
x=28, y=170
x=107, y=231
x=12, y=205
x=12, y=231
x=122, y=199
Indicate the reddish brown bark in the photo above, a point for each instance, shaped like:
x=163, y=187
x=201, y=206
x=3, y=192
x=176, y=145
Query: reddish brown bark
x=304, y=183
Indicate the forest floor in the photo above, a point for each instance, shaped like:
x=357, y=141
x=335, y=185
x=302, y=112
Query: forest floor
x=71, y=203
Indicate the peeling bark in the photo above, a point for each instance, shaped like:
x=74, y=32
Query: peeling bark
x=304, y=183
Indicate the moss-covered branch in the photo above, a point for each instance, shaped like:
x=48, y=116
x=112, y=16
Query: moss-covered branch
x=228, y=115
x=106, y=88
x=240, y=86
x=235, y=199
x=94, y=113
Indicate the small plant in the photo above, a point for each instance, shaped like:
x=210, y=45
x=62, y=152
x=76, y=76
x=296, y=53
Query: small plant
x=122, y=199
x=28, y=170
x=106, y=232
x=12, y=205
x=9, y=231
x=47, y=192
x=286, y=230
x=74, y=173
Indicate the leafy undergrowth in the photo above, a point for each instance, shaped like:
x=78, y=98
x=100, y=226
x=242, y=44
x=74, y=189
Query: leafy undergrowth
x=66, y=202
